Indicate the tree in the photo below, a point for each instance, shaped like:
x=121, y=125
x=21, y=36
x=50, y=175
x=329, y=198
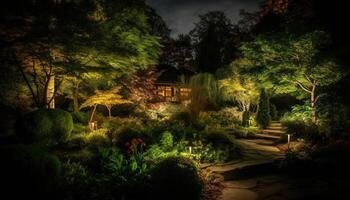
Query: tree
x=238, y=87
x=141, y=86
x=47, y=40
x=204, y=93
x=263, y=117
x=212, y=36
x=106, y=98
x=293, y=64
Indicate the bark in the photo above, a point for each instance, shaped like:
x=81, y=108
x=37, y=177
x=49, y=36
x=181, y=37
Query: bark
x=109, y=108
x=313, y=103
x=50, y=92
x=75, y=96
x=92, y=114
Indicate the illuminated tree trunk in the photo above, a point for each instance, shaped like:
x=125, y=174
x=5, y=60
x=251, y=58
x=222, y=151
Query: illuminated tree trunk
x=50, y=92
x=109, y=108
x=75, y=95
x=92, y=114
x=313, y=104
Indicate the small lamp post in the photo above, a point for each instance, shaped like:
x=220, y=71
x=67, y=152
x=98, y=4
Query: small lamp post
x=288, y=137
x=190, y=147
x=93, y=125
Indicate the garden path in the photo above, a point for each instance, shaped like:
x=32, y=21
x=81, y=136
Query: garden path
x=260, y=156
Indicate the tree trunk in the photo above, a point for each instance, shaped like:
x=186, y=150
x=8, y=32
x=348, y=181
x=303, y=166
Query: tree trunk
x=313, y=104
x=50, y=92
x=75, y=96
x=109, y=108
x=92, y=114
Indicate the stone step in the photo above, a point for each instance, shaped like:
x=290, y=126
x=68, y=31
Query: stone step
x=246, y=169
x=275, y=127
x=273, y=132
x=267, y=136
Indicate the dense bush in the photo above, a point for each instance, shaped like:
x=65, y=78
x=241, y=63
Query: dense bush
x=245, y=119
x=49, y=126
x=222, y=143
x=179, y=131
x=299, y=113
x=226, y=117
x=167, y=140
x=97, y=138
x=176, y=178
x=80, y=117
x=263, y=117
x=28, y=170
x=244, y=132
x=273, y=112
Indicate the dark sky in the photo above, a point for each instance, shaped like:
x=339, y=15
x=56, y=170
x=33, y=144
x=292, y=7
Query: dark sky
x=180, y=15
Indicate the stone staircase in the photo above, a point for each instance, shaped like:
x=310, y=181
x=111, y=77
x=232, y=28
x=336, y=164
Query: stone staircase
x=259, y=156
x=272, y=132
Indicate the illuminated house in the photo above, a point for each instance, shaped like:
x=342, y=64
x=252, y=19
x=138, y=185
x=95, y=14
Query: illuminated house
x=171, y=85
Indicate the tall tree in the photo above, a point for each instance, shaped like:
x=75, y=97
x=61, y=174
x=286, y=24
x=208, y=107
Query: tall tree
x=293, y=64
x=75, y=37
x=212, y=36
x=263, y=117
x=204, y=93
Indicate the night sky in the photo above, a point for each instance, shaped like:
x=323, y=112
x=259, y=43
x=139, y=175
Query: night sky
x=180, y=15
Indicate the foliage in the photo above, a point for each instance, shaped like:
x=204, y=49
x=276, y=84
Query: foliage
x=299, y=113
x=97, y=138
x=273, y=112
x=226, y=117
x=48, y=126
x=176, y=178
x=179, y=131
x=166, y=140
x=31, y=170
x=235, y=85
x=213, y=41
x=221, y=141
x=106, y=98
x=263, y=117
x=80, y=117
x=293, y=64
x=245, y=132
x=204, y=93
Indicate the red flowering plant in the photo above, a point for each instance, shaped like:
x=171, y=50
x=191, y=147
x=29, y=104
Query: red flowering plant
x=134, y=146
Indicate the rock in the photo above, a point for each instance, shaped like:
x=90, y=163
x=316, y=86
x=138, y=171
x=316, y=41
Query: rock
x=241, y=184
x=238, y=194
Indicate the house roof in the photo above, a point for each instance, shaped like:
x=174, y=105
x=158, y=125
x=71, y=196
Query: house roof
x=171, y=75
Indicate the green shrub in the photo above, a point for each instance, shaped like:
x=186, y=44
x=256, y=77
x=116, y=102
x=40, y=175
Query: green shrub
x=273, y=112
x=299, y=113
x=294, y=127
x=167, y=140
x=62, y=124
x=245, y=119
x=179, y=131
x=176, y=178
x=80, y=117
x=226, y=117
x=97, y=138
x=49, y=126
x=263, y=117
x=221, y=141
x=245, y=132
x=79, y=129
x=30, y=170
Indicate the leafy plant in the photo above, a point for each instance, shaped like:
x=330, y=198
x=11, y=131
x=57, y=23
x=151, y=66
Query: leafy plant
x=176, y=178
x=263, y=117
